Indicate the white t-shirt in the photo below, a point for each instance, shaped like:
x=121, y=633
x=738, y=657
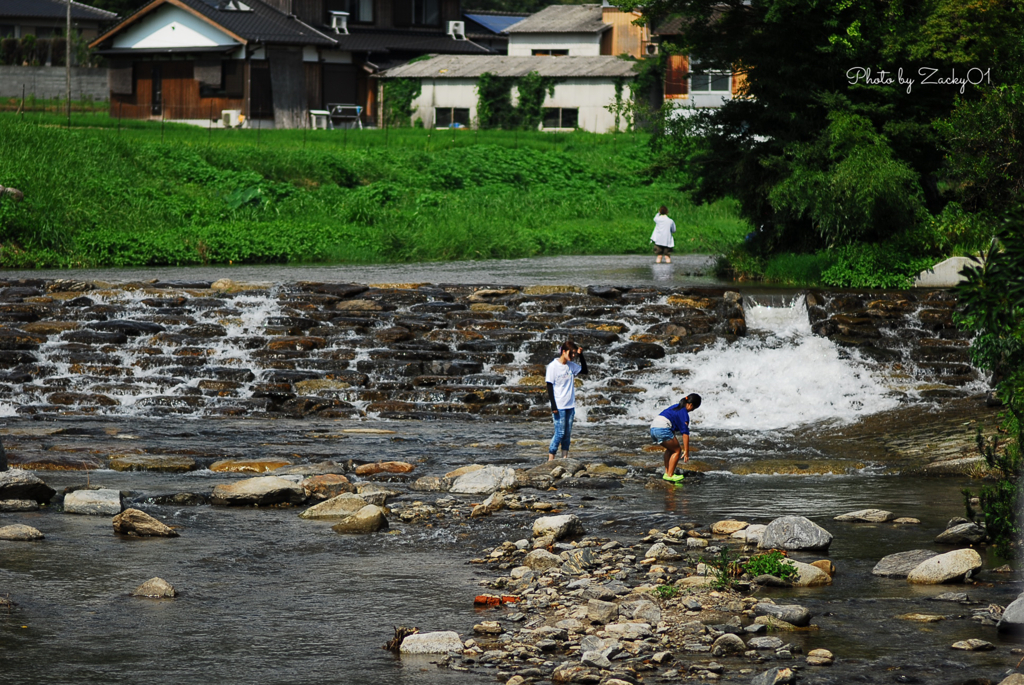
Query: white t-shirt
x=663, y=230
x=561, y=376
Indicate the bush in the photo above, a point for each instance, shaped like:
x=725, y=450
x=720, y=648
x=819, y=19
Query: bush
x=773, y=563
x=882, y=266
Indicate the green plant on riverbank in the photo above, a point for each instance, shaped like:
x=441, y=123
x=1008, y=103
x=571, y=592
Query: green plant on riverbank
x=96, y=199
x=993, y=309
x=771, y=563
x=722, y=568
x=665, y=591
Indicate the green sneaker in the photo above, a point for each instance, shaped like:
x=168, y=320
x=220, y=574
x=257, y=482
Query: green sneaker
x=676, y=478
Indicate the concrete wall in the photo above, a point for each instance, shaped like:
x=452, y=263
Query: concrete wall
x=589, y=95
x=49, y=82
x=578, y=44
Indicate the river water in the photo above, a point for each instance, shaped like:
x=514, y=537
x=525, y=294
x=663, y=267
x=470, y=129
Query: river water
x=267, y=597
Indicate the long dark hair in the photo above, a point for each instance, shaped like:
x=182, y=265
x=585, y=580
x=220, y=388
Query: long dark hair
x=693, y=398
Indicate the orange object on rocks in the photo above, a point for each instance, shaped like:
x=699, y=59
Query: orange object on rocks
x=487, y=600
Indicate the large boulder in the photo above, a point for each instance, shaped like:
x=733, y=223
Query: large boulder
x=962, y=534
x=867, y=516
x=94, y=502
x=564, y=526
x=259, y=491
x=542, y=560
x=790, y=613
x=1013, y=618
x=440, y=642
x=369, y=519
x=795, y=533
x=337, y=507
x=945, y=568
x=325, y=486
x=19, y=484
x=808, y=575
x=20, y=533
x=900, y=565
x=484, y=481
x=156, y=588
x=135, y=522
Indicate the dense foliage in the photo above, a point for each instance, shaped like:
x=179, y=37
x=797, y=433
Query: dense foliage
x=993, y=308
x=494, y=109
x=397, y=101
x=95, y=198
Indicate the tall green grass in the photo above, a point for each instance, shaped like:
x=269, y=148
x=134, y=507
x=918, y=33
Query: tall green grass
x=98, y=198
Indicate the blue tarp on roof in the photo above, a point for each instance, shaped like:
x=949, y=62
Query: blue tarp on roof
x=494, y=22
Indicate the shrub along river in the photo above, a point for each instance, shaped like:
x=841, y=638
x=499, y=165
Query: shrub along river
x=815, y=404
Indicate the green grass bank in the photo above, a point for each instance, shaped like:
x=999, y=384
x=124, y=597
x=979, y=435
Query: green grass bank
x=104, y=193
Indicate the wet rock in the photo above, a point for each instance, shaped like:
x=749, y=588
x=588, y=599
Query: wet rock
x=790, y=613
x=384, y=467
x=494, y=503
x=158, y=464
x=945, y=568
x=962, y=534
x=139, y=523
x=326, y=486
x=261, y=491
x=1013, y=679
x=921, y=618
x=248, y=465
x=18, y=484
x=728, y=644
x=340, y=506
x=819, y=657
x=15, y=505
x=440, y=642
x=771, y=643
x=484, y=481
x=867, y=516
x=775, y=676
x=826, y=566
x=93, y=502
x=795, y=533
x=809, y=576
x=156, y=588
x=369, y=519
x=900, y=565
x=629, y=631
x=602, y=612
x=559, y=527
x=431, y=484
x=662, y=552
x=20, y=533
x=751, y=534
x=973, y=645
x=541, y=560
x=1012, y=621
x=555, y=467
x=728, y=527
x=375, y=493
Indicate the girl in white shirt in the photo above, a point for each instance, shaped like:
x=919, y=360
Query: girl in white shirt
x=662, y=236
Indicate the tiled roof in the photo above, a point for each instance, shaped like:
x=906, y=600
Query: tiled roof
x=52, y=9
x=472, y=66
x=562, y=19
x=369, y=40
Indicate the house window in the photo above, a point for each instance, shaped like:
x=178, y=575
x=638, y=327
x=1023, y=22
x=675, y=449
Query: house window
x=561, y=117
x=7, y=31
x=549, y=53
x=707, y=81
x=232, y=81
x=425, y=13
x=451, y=117
x=359, y=11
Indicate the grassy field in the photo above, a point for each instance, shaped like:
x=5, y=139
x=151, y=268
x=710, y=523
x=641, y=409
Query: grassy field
x=133, y=193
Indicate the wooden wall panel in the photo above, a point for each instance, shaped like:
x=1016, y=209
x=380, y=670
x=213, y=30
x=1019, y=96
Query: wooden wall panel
x=314, y=85
x=677, y=72
x=625, y=36
x=181, y=98
x=739, y=82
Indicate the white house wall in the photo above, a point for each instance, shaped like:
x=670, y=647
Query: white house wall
x=172, y=27
x=590, y=96
x=578, y=44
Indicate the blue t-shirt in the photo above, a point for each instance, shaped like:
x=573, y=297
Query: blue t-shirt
x=679, y=417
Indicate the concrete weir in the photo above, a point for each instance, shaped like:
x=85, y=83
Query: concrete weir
x=408, y=351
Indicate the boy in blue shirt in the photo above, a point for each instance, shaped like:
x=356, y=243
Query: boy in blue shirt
x=675, y=419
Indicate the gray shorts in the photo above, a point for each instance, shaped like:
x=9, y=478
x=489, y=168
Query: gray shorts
x=662, y=251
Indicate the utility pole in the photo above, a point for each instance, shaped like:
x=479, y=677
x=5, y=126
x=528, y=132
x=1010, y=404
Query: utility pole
x=67, y=61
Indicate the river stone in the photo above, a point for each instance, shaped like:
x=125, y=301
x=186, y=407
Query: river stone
x=826, y=566
x=900, y=565
x=906, y=521
x=790, y=613
x=568, y=466
x=962, y=534
x=765, y=643
x=15, y=505
x=595, y=660
x=795, y=533
x=867, y=516
x=158, y=464
x=921, y=618
x=809, y=576
x=260, y=491
x=776, y=676
x=94, y=502
x=326, y=486
x=1013, y=679
x=577, y=561
x=663, y=552
x=541, y=560
x=369, y=519
x=973, y=645
x=1013, y=618
x=20, y=533
x=384, y=467
x=629, y=631
x=135, y=522
x=484, y=481
x=945, y=568
x=751, y=533
x=602, y=612
x=819, y=657
x=563, y=526
x=430, y=484
x=341, y=506
x=728, y=644
x=156, y=588
x=248, y=465
x=440, y=642
x=19, y=484
x=324, y=468
x=695, y=581
x=728, y=527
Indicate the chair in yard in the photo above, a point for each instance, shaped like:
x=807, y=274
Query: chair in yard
x=346, y=116
x=318, y=117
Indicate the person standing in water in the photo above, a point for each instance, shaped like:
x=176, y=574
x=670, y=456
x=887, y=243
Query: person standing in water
x=675, y=419
x=559, y=378
x=662, y=236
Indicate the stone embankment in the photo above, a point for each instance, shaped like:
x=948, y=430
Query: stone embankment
x=336, y=350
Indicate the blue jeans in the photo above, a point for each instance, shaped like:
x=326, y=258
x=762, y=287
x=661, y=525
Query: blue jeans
x=660, y=435
x=563, y=429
